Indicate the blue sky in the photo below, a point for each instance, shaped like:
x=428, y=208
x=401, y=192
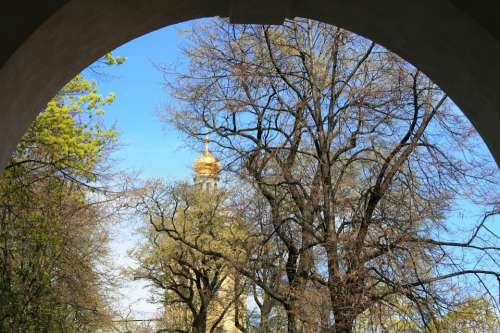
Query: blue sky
x=150, y=146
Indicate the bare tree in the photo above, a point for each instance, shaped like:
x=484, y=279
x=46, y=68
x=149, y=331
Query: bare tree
x=360, y=159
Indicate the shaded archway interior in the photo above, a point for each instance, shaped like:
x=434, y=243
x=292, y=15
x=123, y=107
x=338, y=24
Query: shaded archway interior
x=456, y=43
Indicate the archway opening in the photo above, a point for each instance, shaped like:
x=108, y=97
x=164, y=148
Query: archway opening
x=271, y=166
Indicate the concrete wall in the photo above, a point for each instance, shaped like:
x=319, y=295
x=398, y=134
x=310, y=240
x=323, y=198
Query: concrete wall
x=455, y=42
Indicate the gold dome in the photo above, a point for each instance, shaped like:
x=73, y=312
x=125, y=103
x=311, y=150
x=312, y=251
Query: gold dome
x=206, y=163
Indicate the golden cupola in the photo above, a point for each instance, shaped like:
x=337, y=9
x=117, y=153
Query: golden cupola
x=206, y=164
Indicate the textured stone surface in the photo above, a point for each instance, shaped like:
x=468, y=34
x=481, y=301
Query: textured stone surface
x=45, y=43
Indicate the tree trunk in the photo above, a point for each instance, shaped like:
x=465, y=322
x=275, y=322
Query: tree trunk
x=291, y=319
x=265, y=311
x=343, y=323
x=200, y=321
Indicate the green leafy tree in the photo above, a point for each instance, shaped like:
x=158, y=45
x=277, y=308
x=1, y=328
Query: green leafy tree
x=198, y=292
x=52, y=227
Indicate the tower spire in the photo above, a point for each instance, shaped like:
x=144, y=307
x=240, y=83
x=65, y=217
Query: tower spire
x=207, y=140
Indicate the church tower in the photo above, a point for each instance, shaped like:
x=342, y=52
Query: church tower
x=206, y=180
x=206, y=168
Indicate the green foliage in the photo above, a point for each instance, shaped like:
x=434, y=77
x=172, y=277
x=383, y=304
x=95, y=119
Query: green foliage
x=51, y=234
x=110, y=59
x=473, y=315
x=68, y=134
x=184, y=224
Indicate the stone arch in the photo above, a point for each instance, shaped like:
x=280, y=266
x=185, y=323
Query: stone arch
x=456, y=44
